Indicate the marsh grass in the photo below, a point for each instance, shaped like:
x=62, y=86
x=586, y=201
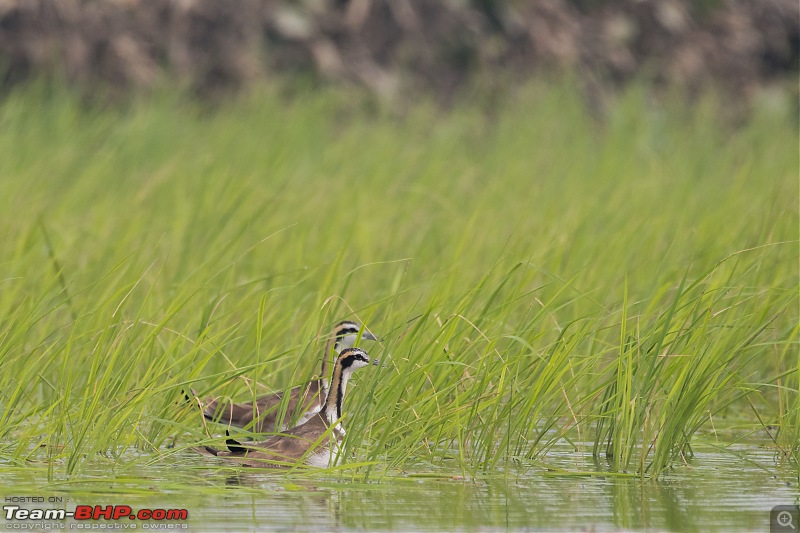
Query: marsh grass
x=536, y=276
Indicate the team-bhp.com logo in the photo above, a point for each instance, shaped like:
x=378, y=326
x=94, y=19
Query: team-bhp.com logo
x=90, y=513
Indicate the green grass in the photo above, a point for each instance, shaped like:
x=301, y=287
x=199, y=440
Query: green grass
x=535, y=275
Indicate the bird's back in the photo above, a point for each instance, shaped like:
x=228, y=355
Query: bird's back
x=308, y=441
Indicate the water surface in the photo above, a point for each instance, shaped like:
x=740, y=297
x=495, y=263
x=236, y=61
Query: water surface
x=730, y=490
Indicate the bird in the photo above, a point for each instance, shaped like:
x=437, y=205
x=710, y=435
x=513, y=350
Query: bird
x=316, y=441
x=262, y=415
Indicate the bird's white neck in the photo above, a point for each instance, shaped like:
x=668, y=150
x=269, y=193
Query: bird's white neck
x=333, y=402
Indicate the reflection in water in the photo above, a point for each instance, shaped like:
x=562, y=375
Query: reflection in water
x=716, y=491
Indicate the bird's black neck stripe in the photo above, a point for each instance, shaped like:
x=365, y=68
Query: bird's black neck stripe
x=339, y=396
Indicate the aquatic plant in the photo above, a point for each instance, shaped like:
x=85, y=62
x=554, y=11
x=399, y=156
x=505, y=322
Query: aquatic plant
x=626, y=286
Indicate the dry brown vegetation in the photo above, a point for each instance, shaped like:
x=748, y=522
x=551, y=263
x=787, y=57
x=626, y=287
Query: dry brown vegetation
x=393, y=45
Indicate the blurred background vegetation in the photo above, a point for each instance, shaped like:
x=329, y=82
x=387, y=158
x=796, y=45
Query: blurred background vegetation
x=398, y=47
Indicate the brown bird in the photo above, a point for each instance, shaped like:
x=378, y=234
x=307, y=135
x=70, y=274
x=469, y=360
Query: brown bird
x=314, y=442
x=260, y=416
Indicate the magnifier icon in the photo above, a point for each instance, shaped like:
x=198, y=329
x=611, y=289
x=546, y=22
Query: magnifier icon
x=785, y=519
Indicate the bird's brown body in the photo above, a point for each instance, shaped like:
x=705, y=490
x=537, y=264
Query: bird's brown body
x=314, y=442
x=262, y=414
x=310, y=443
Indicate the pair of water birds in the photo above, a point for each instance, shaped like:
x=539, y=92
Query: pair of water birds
x=316, y=437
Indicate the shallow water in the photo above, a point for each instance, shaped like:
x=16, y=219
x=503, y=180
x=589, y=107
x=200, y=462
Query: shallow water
x=716, y=491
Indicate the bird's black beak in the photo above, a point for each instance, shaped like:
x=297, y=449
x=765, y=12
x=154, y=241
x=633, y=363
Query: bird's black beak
x=367, y=336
